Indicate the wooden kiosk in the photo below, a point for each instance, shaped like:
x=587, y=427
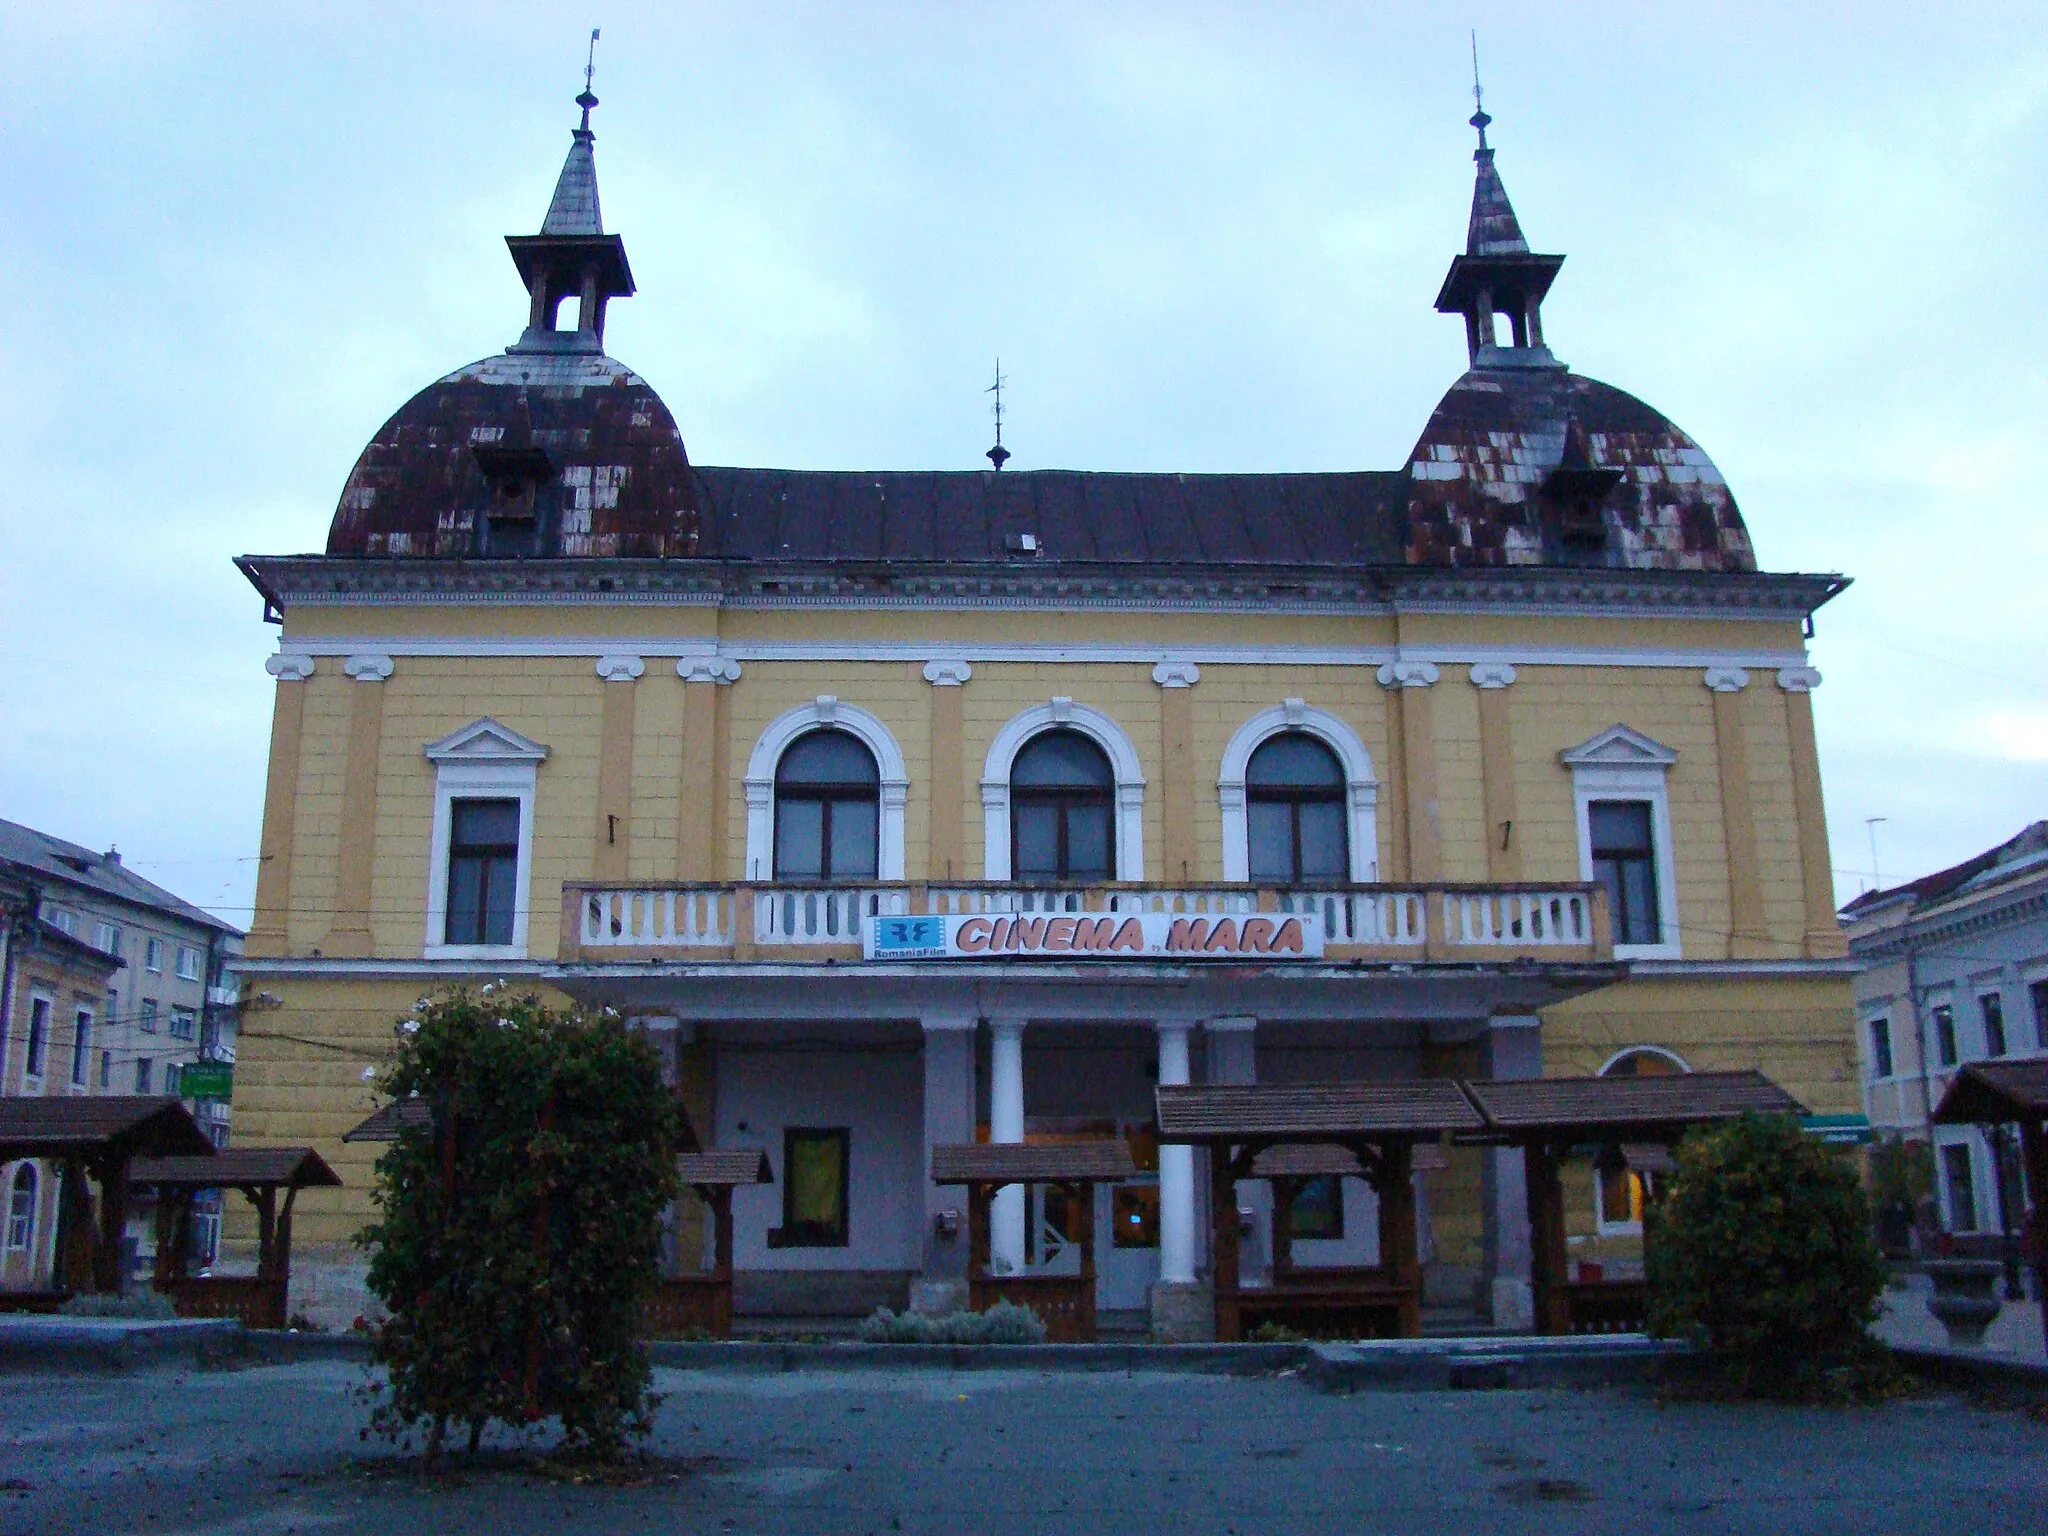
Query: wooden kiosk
x=97, y=1138
x=1641, y=1117
x=688, y=1305
x=2011, y=1093
x=1290, y=1132
x=1066, y=1303
x=261, y=1300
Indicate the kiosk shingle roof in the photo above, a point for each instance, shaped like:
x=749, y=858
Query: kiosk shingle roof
x=235, y=1167
x=1420, y=1107
x=726, y=1168
x=1990, y=1092
x=59, y=1127
x=1033, y=1162
x=1594, y=1104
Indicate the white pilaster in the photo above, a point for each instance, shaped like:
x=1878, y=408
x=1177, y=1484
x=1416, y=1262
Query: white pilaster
x=1176, y=1170
x=1006, y=1124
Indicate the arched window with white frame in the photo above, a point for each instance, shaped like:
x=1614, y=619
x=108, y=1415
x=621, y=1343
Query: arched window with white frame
x=828, y=807
x=815, y=809
x=1625, y=1176
x=1299, y=799
x=1041, y=759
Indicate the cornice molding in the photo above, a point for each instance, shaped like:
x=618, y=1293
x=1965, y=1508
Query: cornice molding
x=316, y=580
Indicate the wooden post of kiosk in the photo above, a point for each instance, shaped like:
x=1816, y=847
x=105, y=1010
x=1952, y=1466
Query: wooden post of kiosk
x=1397, y=1231
x=1546, y=1238
x=1225, y=1261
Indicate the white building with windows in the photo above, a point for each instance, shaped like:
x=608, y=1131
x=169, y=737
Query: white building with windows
x=1955, y=970
x=165, y=998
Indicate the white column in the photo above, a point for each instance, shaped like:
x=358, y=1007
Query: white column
x=1006, y=1124
x=1176, y=1170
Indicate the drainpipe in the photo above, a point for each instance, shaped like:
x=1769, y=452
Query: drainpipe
x=10, y=920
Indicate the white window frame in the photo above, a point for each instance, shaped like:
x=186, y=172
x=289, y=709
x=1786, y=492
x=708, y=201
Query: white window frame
x=1621, y=764
x=1935, y=999
x=30, y=1072
x=1981, y=988
x=825, y=712
x=83, y=1017
x=1127, y=804
x=1601, y=1225
x=482, y=761
x=189, y=963
x=181, y=1015
x=1869, y=1021
x=153, y=956
x=64, y=921
x=112, y=935
x=1361, y=785
x=27, y=1241
x=146, y=1015
x=1981, y=1188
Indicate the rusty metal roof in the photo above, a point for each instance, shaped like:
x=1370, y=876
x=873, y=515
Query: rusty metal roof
x=977, y=515
x=1601, y=1108
x=73, y=1127
x=1994, y=1092
x=1493, y=482
x=1425, y=1106
x=725, y=1168
x=386, y=1123
x=237, y=1168
x=1034, y=1162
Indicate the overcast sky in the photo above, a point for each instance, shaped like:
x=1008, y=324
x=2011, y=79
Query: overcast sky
x=1201, y=237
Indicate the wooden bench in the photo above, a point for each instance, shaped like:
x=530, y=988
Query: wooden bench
x=1606, y=1306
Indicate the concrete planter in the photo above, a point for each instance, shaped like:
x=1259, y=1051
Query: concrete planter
x=1965, y=1298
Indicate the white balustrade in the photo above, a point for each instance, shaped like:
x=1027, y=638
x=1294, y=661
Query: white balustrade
x=686, y=917
x=822, y=914
x=1519, y=919
x=1371, y=917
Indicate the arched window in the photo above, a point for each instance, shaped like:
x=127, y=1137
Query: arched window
x=1295, y=810
x=1062, y=810
x=21, y=1209
x=827, y=809
x=1626, y=1176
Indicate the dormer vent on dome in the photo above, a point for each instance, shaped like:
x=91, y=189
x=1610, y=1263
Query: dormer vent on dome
x=550, y=448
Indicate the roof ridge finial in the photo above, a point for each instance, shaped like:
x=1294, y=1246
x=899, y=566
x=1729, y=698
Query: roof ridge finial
x=1478, y=119
x=998, y=455
x=586, y=101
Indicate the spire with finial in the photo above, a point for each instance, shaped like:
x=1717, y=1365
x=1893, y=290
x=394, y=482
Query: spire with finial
x=998, y=455
x=572, y=258
x=1497, y=274
x=574, y=210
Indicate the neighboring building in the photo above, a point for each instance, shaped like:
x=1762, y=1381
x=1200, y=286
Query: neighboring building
x=53, y=991
x=1498, y=763
x=161, y=996
x=1955, y=969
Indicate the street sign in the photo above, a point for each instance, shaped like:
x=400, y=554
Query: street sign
x=207, y=1080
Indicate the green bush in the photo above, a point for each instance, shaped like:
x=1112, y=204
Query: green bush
x=519, y=1234
x=1003, y=1323
x=1761, y=1254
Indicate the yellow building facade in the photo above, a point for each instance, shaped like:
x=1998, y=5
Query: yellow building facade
x=1501, y=763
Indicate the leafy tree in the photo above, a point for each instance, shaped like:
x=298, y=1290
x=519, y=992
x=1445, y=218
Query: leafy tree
x=519, y=1230
x=1761, y=1253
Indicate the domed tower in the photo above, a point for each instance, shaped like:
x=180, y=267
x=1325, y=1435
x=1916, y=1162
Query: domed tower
x=1525, y=462
x=550, y=448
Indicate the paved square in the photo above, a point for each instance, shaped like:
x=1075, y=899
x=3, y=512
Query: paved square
x=274, y=1450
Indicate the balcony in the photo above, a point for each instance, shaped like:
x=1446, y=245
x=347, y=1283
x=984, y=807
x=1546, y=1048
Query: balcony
x=652, y=921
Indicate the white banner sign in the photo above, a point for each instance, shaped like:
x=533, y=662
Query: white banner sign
x=1095, y=936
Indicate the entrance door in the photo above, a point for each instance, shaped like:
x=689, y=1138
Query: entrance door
x=1127, y=1258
